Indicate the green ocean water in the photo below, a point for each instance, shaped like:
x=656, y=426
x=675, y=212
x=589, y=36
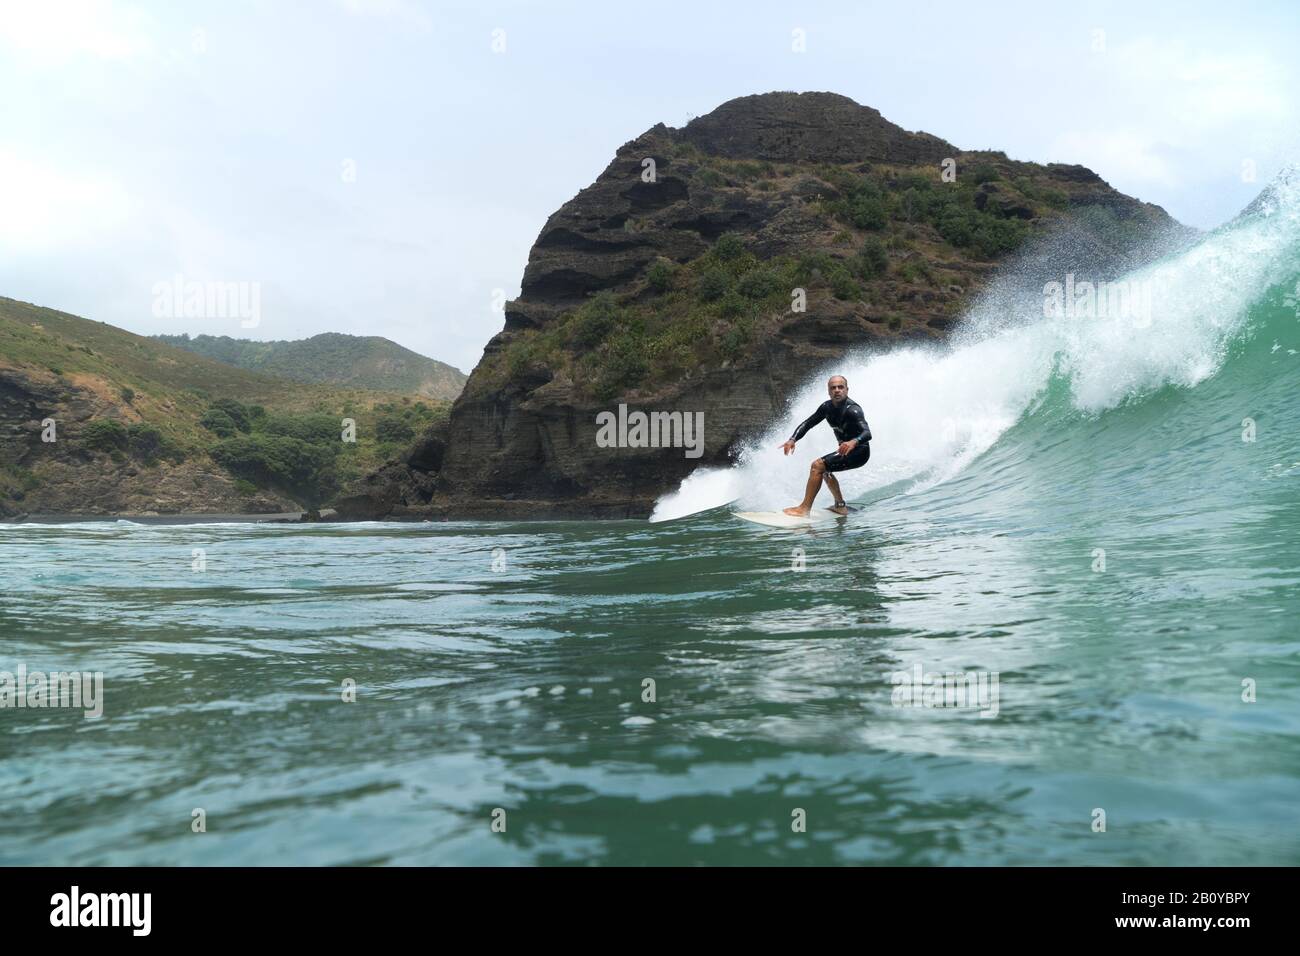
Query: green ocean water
x=1106, y=516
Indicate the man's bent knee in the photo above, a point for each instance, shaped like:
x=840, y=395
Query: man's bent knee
x=818, y=466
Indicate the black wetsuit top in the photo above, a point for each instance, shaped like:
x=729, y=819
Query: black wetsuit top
x=846, y=420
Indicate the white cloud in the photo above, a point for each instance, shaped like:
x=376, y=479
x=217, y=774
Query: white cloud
x=1125, y=155
x=42, y=208
x=1180, y=112
x=52, y=32
x=1202, y=92
x=398, y=9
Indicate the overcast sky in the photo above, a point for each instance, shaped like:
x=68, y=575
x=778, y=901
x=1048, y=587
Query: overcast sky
x=376, y=167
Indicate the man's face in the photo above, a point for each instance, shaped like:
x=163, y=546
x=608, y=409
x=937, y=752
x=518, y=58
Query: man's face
x=838, y=389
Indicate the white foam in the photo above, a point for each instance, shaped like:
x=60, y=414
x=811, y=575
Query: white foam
x=702, y=489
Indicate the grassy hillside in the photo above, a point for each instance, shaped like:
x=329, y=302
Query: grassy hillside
x=357, y=361
x=130, y=408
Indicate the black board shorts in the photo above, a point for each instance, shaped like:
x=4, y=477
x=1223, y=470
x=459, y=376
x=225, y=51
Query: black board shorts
x=854, y=459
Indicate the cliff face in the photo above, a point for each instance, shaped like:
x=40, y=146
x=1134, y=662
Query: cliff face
x=676, y=291
x=71, y=475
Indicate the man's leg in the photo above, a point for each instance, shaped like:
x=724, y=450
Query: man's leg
x=833, y=484
x=815, y=475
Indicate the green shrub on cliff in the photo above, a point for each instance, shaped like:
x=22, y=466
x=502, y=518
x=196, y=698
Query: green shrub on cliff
x=237, y=412
x=218, y=422
x=868, y=212
x=915, y=270
x=729, y=246
x=843, y=287
x=812, y=266
x=993, y=236
x=149, y=444
x=950, y=208
x=628, y=359
x=915, y=180
x=713, y=285
x=733, y=341
x=1056, y=198
x=303, y=470
x=621, y=365
x=313, y=428
x=520, y=354
x=145, y=441
x=393, y=429
x=732, y=304
x=912, y=204
x=864, y=205
x=955, y=225
x=758, y=283
x=660, y=276
x=418, y=415
x=595, y=320
x=104, y=434
x=872, y=259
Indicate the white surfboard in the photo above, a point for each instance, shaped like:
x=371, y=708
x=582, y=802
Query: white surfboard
x=779, y=519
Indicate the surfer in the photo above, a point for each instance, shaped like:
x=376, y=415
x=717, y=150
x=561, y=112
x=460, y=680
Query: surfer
x=847, y=420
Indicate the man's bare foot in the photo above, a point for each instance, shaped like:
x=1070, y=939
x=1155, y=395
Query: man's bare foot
x=798, y=511
x=839, y=509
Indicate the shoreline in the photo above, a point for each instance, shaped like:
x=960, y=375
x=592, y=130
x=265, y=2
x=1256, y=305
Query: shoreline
x=286, y=517
x=482, y=510
x=299, y=517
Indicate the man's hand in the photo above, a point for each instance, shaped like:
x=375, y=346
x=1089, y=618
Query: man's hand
x=788, y=446
x=847, y=446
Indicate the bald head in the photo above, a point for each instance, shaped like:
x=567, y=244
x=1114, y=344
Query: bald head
x=838, y=388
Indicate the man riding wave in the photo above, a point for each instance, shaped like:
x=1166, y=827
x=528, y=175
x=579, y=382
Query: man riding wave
x=849, y=423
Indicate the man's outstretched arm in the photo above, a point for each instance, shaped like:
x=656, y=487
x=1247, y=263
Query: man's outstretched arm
x=809, y=423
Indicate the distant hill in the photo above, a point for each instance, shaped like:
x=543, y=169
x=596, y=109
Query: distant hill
x=95, y=420
x=356, y=361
